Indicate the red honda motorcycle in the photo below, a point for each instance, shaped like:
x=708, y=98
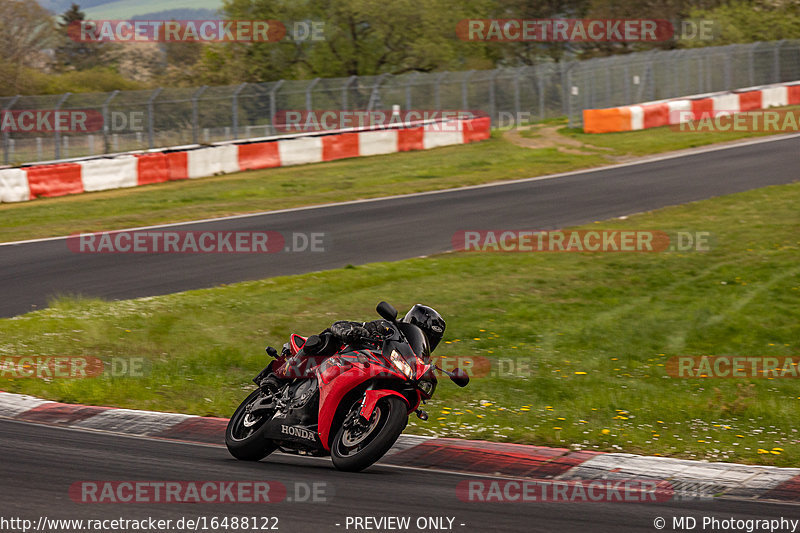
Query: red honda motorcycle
x=351, y=405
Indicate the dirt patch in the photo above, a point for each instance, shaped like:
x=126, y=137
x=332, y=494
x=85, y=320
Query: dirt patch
x=544, y=136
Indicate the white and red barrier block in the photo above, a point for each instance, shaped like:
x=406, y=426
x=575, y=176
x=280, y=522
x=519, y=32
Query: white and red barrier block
x=131, y=170
x=687, y=109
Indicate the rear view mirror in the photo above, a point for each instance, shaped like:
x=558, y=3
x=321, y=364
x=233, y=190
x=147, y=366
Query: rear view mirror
x=387, y=311
x=459, y=377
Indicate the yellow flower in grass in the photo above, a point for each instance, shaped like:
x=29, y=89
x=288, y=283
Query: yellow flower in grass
x=556, y=427
x=581, y=373
x=605, y=431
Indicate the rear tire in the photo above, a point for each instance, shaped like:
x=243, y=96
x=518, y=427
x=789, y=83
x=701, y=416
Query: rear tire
x=244, y=435
x=354, y=452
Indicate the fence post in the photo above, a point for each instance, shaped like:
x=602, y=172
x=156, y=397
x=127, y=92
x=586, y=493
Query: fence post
x=411, y=79
x=464, y=98
x=627, y=84
x=273, y=105
x=776, y=65
x=727, y=70
x=309, y=102
x=346, y=88
x=6, y=133
x=436, y=96
x=540, y=83
x=493, y=98
x=106, y=147
x=57, y=132
x=151, y=116
x=516, y=92
x=195, y=96
x=374, y=96
x=568, y=92
x=235, y=109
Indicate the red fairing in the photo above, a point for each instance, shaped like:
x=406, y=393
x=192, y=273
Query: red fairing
x=372, y=397
x=339, y=375
x=295, y=343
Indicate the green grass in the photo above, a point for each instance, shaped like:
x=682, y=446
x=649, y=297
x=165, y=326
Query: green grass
x=656, y=140
x=616, y=316
x=369, y=177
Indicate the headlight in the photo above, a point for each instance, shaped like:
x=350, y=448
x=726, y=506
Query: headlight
x=426, y=387
x=401, y=364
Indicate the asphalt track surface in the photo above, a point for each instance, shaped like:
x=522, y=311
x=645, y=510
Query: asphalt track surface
x=40, y=463
x=394, y=228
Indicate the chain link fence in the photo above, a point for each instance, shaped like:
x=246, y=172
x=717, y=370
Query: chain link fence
x=136, y=120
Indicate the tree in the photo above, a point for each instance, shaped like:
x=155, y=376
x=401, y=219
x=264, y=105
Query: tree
x=360, y=37
x=750, y=21
x=71, y=53
x=26, y=30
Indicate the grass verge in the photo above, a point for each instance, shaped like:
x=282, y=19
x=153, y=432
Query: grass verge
x=370, y=177
x=577, y=340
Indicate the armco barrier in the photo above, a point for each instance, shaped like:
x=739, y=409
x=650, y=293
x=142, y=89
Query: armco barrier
x=14, y=185
x=654, y=114
x=130, y=170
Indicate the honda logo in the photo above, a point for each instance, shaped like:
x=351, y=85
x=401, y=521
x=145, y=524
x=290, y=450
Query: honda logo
x=295, y=431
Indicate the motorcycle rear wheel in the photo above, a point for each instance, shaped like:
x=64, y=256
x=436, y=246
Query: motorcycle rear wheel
x=244, y=435
x=353, y=451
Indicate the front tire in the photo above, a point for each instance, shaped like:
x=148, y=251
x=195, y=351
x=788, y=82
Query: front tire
x=244, y=435
x=356, y=448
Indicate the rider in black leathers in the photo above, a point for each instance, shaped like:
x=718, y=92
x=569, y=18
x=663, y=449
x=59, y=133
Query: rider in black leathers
x=353, y=333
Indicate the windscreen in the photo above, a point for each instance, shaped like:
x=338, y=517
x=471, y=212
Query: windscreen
x=417, y=340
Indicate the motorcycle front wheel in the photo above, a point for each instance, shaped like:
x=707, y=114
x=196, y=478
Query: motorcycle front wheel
x=357, y=445
x=244, y=435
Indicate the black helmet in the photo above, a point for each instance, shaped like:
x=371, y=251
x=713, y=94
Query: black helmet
x=429, y=321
